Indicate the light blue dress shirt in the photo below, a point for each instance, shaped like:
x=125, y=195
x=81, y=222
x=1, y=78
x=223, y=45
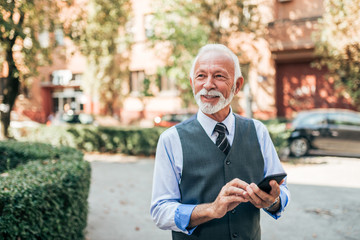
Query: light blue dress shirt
x=166, y=210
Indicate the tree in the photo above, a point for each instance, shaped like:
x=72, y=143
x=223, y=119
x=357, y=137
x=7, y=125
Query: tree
x=104, y=41
x=185, y=26
x=21, y=22
x=338, y=45
x=95, y=27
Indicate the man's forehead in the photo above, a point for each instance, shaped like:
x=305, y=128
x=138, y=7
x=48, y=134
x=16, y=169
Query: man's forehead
x=213, y=57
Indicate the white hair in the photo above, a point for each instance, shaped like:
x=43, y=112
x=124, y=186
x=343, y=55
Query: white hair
x=219, y=48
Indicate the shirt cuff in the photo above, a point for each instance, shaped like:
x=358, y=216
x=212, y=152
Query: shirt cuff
x=182, y=217
x=283, y=203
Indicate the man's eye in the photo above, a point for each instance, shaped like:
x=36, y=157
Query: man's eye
x=200, y=75
x=219, y=76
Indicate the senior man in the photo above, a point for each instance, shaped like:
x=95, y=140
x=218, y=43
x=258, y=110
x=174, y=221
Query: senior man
x=206, y=167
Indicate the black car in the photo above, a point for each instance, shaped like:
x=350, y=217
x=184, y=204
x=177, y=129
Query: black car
x=330, y=131
x=71, y=118
x=171, y=119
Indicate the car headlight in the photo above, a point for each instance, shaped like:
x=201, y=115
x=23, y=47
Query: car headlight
x=157, y=119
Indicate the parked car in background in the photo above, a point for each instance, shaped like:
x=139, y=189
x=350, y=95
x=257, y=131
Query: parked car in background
x=72, y=118
x=330, y=131
x=171, y=119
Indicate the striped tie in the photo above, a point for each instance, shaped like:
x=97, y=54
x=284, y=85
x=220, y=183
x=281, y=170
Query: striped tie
x=221, y=140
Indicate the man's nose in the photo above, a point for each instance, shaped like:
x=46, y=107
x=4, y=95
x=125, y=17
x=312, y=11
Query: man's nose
x=209, y=84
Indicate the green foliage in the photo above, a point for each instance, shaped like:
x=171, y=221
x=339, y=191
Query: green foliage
x=146, y=91
x=20, y=24
x=11, y=157
x=133, y=141
x=185, y=26
x=105, y=42
x=338, y=45
x=43, y=194
x=278, y=133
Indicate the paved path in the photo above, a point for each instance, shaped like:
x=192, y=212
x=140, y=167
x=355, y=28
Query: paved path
x=325, y=200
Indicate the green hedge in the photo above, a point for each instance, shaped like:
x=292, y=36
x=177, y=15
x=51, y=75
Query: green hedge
x=132, y=141
x=278, y=133
x=43, y=191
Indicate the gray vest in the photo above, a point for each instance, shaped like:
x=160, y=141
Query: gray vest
x=206, y=169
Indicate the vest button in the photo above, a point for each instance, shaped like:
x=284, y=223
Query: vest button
x=228, y=162
x=235, y=235
x=233, y=211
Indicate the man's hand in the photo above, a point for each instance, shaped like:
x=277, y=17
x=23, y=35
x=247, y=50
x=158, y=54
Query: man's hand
x=261, y=199
x=231, y=195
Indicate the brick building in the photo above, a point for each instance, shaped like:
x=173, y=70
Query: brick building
x=279, y=76
x=299, y=86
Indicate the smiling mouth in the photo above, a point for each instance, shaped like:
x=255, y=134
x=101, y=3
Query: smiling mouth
x=209, y=96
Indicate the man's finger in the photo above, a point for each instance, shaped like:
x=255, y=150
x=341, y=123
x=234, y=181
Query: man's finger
x=235, y=199
x=236, y=182
x=235, y=191
x=275, y=188
x=254, y=194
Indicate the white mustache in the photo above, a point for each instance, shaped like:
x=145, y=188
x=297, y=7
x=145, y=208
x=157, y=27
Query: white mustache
x=210, y=93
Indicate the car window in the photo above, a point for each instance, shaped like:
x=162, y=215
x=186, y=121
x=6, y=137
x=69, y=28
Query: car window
x=344, y=119
x=182, y=117
x=311, y=119
x=167, y=118
x=70, y=118
x=175, y=117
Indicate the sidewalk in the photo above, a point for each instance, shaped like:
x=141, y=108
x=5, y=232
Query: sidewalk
x=324, y=205
x=119, y=200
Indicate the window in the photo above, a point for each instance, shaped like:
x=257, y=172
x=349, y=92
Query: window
x=310, y=119
x=44, y=39
x=344, y=119
x=149, y=29
x=55, y=104
x=130, y=26
x=67, y=100
x=137, y=81
x=166, y=83
x=76, y=79
x=61, y=77
x=314, y=119
x=59, y=37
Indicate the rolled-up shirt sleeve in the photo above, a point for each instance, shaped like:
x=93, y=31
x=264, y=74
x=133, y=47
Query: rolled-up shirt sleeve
x=182, y=217
x=166, y=210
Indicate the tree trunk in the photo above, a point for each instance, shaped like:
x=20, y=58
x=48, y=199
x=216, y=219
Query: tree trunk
x=10, y=91
x=4, y=125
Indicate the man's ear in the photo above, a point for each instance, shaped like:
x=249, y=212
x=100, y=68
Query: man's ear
x=239, y=83
x=191, y=82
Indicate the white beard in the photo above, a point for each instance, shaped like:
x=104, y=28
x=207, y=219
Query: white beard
x=211, y=109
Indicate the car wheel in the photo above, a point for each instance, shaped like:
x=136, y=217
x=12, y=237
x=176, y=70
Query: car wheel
x=299, y=147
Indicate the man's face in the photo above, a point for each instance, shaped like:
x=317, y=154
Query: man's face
x=213, y=81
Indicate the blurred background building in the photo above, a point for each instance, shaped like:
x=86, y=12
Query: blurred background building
x=279, y=76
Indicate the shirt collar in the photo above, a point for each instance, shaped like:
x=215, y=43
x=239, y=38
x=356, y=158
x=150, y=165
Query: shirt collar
x=208, y=123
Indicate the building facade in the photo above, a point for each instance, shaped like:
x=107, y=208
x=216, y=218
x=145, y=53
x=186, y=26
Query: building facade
x=299, y=85
x=279, y=76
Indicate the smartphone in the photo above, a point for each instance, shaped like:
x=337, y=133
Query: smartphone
x=264, y=184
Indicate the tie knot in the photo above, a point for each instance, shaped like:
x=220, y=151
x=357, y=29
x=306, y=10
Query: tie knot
x=220, y=128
